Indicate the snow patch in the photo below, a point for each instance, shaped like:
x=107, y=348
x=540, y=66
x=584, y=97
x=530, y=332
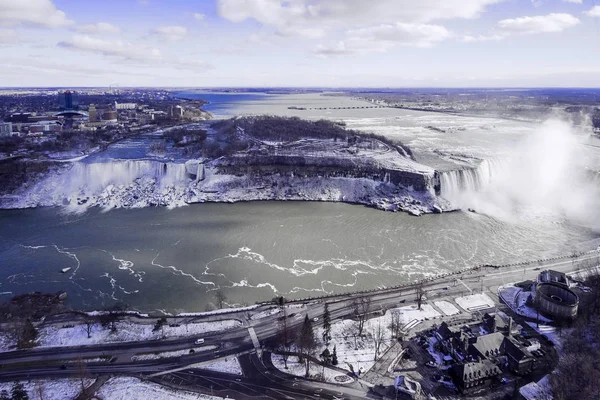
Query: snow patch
x=475, y=302
x=447, y=307
x=127, y=388
x=227, y=366
x=55, y=336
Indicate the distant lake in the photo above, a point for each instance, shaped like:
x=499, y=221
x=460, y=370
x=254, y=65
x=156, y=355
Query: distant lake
x=223, y=105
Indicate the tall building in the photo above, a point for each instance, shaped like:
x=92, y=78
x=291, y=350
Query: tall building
x=68, y=100
x=92, y=113
x=176, y=112
x=5, y=129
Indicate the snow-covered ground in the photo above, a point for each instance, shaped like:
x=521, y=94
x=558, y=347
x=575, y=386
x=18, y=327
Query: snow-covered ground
x=170, y=354
x=64, y=389
x=473, y=302
x=315, y=371
x=127, y=388
x=228, y=366
x=55, y=336
x=360, y=353
x=516, y=298
x=537, y=390
x=447, y=307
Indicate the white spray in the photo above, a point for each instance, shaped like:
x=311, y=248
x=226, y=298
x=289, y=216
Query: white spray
x=545, y=174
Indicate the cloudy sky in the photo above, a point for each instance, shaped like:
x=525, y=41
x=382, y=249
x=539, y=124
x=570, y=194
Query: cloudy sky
x=334, y=43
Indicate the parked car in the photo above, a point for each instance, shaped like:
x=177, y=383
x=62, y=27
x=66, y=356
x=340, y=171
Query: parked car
x=199, y=341
x=430, y=364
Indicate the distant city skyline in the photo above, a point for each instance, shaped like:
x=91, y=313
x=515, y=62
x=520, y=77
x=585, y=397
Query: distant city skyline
x=300, y=43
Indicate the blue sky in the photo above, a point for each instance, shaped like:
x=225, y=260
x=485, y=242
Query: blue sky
x=337, y=43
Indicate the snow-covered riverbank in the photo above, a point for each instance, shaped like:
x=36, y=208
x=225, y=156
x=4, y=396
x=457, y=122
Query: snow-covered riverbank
x=174, y=189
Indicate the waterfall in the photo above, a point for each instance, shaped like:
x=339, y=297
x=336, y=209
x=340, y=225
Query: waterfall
x=455, y=183
x=97, y=176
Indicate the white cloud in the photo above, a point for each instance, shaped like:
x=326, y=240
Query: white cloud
x=312, y=18
x=556, y=22
x=593, y=12
x=8, y=36
x=483, y=38
x=115, y=48
x=171, y=32
x=383, y=37
x=35, y=12
x=419, y=35
x=574, y=1
x=126, y=52
x=199, y=16
x=100, y=27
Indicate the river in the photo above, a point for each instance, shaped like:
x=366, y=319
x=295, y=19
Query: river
x=174, y=260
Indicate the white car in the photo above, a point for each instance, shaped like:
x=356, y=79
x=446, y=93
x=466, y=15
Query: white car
x=199, y=341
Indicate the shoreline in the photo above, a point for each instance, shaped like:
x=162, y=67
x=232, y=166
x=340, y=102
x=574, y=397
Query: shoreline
x=232, y=189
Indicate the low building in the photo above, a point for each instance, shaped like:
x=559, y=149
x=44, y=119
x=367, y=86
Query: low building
x=44, y=127
x=550, y=276
x=520, y=361
x=487, y=346
x=555, y=300
x=125, y=106
x=474, y=375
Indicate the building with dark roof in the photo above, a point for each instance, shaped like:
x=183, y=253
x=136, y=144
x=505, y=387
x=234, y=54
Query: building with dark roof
x=474, y=375
x=520, y=361
x=487, y=346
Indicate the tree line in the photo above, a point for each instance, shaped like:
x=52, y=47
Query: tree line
x=289, y=129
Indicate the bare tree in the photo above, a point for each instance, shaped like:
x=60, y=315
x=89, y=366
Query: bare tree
x=89, y=322
x=420, y=294
x=378, y=334
x=220, y=297
x=396, y=323
x=361, y=308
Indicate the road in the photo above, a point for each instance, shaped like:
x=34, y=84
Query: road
x=260, y=376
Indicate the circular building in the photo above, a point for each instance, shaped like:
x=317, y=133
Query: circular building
x=556, y=301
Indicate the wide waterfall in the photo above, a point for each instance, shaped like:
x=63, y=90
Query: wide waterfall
x=545, y=174
x=97, y=176
x=456, y=183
